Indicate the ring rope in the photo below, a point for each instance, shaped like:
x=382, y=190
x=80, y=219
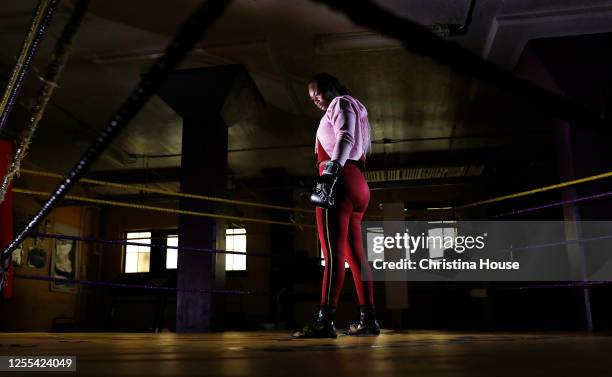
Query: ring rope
x=190, y=33
x=44, y=13
x=162, y=209
x=574, y=284
x=558, y=243
x=129, y=242
x=167, y=192
x=126, y=285
x=538, y=190
x=59, y=59
x=551, y=205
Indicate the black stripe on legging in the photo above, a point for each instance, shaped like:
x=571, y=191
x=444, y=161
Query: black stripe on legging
x=330, y=264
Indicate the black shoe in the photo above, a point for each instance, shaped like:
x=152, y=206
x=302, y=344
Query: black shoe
x=367, y=325
x=322, y=326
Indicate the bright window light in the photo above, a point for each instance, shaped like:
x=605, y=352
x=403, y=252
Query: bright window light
x=435, y=251
x=171, y=254
x=346, y=265
x=138, y=258
x=235, y=240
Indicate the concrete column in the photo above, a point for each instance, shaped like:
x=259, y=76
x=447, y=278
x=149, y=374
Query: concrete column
x=282, y=306
x=209, y=100
x=532, y=68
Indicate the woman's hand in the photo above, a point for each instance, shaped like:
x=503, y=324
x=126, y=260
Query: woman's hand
x=326, y=186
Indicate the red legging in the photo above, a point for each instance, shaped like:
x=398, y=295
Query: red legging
x=340, y=236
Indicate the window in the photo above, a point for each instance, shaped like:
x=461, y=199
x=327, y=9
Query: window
x=138, y=258
x=378, y=231
x=346, y=265
x=158, y=259
x=171, y=254
x=235, y=240
x=372, y=232
x=435, y=249
x=154, y=259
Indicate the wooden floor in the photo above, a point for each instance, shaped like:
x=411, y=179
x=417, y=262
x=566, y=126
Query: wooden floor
x=413, y=353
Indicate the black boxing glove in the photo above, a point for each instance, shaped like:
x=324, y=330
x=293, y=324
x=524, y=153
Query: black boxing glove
x=326, y=186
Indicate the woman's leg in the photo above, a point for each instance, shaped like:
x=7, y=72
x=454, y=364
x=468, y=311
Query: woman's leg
x=362, y=276
x=356, y=256
x=357, y=260
x=358, y=193
x=332, y=227
x=323, y=325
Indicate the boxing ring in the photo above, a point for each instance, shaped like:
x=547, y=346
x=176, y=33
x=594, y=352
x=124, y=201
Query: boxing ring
x=271, y=353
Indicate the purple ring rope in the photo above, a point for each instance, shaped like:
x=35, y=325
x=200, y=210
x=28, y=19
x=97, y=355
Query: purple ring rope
x=126, y=285
x=559, y=243
x=564, y=285
x=557, y=204
x=558, y=285
x=122, y=242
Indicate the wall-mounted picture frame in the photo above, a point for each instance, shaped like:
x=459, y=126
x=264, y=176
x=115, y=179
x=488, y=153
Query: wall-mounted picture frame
x=64, y=260
x=18, y=259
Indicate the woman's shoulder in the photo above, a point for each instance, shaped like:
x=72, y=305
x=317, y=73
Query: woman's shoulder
x=345, y=102
x=345, y=98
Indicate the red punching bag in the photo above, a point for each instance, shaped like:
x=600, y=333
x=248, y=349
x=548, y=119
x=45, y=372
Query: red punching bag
x=6, y=218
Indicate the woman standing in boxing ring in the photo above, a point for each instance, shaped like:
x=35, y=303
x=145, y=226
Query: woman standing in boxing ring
x=342, y=196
